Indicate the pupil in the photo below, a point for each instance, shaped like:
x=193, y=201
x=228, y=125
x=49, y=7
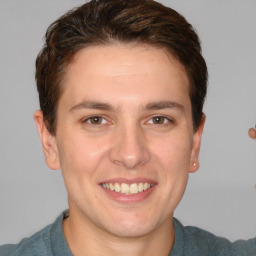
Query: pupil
x=96, y=120
x=158, y=120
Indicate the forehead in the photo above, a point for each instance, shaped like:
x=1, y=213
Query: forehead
x=124, y=70
x=118, y=59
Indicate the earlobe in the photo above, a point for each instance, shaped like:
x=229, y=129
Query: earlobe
x=194, y=161
x=194, y=166
x=48, y=142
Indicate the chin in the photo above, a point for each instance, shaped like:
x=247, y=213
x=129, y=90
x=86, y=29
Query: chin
x=130, y=230
x=131, y=226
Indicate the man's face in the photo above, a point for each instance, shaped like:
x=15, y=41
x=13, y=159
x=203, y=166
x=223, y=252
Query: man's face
x=124, y=138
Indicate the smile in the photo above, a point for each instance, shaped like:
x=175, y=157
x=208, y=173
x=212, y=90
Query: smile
x=127, y=189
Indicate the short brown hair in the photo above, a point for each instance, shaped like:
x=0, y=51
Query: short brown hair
x=100, y=22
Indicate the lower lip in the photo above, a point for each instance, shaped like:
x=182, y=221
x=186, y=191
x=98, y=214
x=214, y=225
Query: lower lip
x=126, y=199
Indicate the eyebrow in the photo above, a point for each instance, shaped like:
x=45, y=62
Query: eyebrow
x=107, y=107
x=91, y=105
x=164, y=104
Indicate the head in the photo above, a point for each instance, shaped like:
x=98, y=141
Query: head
x=105, y=22
x=121, y=87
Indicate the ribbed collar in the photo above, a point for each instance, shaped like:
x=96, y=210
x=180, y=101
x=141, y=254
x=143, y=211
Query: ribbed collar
x=60, y=246
x=58, y=241
x=178, y=247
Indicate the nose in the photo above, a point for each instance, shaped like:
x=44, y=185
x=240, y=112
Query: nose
x=129, y=148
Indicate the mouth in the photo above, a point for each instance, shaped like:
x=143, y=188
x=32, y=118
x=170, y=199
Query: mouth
x=127, y=189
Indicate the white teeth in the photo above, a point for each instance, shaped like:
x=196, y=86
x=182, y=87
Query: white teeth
x=111, y=187
x=140, y=187
x=134, y=188
x=127, y=189
x=117, y=187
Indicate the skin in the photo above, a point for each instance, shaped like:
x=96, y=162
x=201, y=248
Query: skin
x=127, y=143
x=252, y=133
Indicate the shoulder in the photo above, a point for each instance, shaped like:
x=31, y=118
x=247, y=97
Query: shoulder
x=196, y=241
x=37, y=244
x=49, y=241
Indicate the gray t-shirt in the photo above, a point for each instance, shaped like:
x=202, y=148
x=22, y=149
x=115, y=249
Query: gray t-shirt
x=189, y=241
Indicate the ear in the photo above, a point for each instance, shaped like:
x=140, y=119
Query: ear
x=194, y=160
x=48, y=142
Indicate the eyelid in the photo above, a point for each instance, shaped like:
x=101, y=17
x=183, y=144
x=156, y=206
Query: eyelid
x=169, y=119
x=86, y=119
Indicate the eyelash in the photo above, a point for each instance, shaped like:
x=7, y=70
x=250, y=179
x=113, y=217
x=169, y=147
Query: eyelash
x=86, y=120
x=167, y=120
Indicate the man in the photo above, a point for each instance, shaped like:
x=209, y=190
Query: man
x=121, y=87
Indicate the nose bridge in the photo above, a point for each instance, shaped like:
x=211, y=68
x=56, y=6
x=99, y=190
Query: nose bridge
x=130, y=147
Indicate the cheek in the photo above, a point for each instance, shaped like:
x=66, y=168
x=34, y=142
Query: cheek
x=173, y=150
x=81, y=154
x=172, y=156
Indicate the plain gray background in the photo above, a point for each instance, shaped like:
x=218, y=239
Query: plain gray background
x=221, y=196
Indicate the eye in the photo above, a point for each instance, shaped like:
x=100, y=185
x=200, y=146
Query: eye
x=160, y=120
x=95, y=120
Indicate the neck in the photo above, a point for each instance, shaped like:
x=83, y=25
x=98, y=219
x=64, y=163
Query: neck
x=86, y=239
